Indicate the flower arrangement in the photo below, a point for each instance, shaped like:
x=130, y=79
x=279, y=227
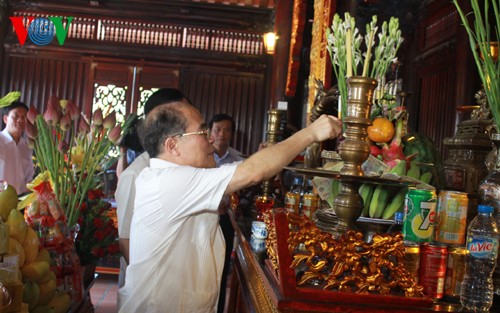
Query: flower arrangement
x=344, y=44
x=98, y=235
x=480, y=38
x=73, y=156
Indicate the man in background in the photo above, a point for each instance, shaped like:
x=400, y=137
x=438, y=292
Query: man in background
x=222, y=128
x=125, y=190
x=16, y=163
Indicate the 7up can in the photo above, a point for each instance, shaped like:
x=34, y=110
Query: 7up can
x=420, y=213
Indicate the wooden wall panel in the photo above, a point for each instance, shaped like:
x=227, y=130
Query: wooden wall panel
x=239, y=95
x=437, y=110
x=38, y=78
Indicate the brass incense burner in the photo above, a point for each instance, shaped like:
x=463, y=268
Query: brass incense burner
x=354, y=150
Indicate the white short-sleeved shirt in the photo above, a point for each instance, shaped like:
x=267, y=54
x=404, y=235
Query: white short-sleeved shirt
x=125, y=194
x=176, y=245
x=125, y=197
x=16, y=164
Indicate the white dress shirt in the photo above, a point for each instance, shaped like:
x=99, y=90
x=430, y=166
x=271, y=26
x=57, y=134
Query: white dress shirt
x=125, y=197
x=176, y=245
x=16, y=163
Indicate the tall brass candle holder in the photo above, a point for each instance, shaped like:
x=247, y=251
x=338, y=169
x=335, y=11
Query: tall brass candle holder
x=274, y=132
x=354, y=150
x=265, y=200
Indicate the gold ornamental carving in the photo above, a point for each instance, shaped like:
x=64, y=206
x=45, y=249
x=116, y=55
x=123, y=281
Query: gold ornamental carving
x=320, y=65
x=348, y=263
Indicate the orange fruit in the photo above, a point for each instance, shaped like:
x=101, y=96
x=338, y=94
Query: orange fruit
x=382, y=130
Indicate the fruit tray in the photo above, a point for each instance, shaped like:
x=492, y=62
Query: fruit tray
x=386, y=179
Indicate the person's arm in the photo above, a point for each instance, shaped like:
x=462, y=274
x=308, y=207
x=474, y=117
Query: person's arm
x=267, y=162
x=124, y=248
x=125, y=196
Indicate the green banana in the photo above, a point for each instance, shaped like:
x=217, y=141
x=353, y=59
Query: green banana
x=396, y=204
x=414, y=171
x=378, y=202
x=366, y=193
x=9, y=98
x=426, y=177
x=399, y=169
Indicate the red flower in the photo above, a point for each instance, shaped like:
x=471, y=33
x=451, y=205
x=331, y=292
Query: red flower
x=98, y=223
x=99, y=235
x=98, y=252
x=91, y=195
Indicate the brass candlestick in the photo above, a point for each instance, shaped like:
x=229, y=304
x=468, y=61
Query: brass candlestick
x=354, y=150
x=274, y=132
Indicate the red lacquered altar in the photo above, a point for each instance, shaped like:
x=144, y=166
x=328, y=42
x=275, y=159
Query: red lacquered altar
x=257, y=287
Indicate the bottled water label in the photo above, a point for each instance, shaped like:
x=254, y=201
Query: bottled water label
x=483, y=247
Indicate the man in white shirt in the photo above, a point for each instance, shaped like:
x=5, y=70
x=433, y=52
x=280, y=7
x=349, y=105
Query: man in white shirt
x=176, y=245
x=16, y=164
x=125, y=190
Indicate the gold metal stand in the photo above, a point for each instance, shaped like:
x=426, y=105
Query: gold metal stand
x=354, y=150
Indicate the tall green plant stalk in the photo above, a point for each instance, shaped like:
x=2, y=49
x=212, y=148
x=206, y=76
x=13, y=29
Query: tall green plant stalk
x=74, y=169
x=344, y=46
x=480, y=39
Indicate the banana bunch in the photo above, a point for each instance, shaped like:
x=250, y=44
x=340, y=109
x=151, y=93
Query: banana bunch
x=380, y=201
x=377, y=198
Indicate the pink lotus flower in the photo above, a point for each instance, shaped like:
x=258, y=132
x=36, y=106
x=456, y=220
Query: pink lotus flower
x=51, y=115
x=109, y=121
x=97, y=118
x=65, y=122
x=83, y=126
x=31, y=130
x=72, y=109
x=31, y=115
x=115, y=133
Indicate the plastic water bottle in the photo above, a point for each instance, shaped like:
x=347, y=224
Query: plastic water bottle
x=476, y=294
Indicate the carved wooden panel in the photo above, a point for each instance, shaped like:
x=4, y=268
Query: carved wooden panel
x=239, y=95
x=444, y=72
x=37, y=78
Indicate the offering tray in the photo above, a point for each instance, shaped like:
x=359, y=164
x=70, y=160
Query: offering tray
x=385, y=179
x=372, y=226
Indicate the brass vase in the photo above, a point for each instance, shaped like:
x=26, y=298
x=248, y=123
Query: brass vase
x=354, y=150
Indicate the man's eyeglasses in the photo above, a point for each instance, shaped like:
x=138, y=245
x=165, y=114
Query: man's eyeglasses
x=205, y=132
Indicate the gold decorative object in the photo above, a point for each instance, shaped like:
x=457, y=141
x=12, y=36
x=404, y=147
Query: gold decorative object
x=354, y=150
x=274, y=133
x=350, y=264
x=271, y=242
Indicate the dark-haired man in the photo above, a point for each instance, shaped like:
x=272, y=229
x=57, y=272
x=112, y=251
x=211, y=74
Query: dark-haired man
x=176, y=245
x=16, y=164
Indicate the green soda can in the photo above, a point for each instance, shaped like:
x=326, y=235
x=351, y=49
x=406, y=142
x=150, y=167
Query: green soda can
x=420, y=214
